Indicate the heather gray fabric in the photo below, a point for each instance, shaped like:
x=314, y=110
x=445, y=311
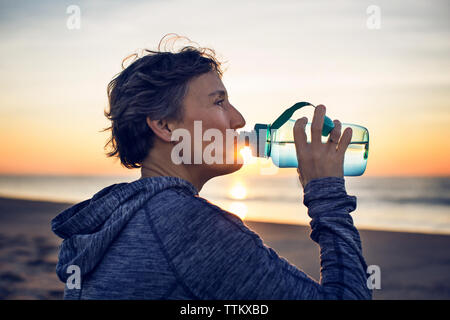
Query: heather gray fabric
x=156, y=238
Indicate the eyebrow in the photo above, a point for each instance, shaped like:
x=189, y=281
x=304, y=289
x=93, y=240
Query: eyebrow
x=218, y=92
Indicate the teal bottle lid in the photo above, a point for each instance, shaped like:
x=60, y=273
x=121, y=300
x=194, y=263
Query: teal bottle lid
x=262, y=132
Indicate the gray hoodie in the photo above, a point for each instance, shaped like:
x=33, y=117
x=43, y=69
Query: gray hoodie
x=156, y=238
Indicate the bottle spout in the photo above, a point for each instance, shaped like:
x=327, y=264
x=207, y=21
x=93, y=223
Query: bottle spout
x=258, y=140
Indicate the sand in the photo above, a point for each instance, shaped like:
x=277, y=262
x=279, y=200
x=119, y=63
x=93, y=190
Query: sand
x=413, y=266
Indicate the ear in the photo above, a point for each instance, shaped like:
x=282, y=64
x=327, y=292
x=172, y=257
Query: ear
x=161, y=128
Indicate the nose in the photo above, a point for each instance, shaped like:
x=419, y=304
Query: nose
x=237, y=120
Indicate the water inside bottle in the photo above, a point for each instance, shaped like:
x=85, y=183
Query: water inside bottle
x=283, y=153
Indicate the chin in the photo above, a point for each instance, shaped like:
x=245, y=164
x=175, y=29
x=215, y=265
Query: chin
x=223, y=169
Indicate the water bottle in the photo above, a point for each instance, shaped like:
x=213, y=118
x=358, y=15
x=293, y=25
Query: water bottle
x=276, y=141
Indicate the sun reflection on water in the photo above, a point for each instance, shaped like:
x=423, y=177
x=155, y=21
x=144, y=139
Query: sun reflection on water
x=238, y=192
x=246, y=154
x=238, y=208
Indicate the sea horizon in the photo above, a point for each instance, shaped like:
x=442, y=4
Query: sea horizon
x=418, y=204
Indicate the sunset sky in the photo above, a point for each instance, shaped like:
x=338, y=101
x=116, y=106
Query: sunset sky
x=394, y=80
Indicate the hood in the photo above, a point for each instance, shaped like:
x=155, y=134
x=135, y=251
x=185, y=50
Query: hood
x=89, y=227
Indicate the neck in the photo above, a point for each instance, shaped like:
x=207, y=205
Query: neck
x=160, y=164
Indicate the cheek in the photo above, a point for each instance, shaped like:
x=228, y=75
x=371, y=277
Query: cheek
x=215, y=118
x=223, y=151
x=217, y=121
x=208, y=121
x=210, y=118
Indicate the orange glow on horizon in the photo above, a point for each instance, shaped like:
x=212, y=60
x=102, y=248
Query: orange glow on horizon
x=54, y=148
x=53, y=101
x=238, y=192
x=239, y=208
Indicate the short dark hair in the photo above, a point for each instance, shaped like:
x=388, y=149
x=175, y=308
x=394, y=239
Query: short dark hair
x=153, y=85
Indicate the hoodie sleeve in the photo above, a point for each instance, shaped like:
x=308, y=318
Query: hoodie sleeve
x=215, y=256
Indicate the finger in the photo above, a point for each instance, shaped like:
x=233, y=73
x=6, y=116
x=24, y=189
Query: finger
x=335, y=134
x=317, y=124
x=345, y=141
x=300, y=134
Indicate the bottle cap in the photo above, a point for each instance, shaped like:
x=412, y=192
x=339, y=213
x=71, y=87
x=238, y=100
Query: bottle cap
x=259, y=139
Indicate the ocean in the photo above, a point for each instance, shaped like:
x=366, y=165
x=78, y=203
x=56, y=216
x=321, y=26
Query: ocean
x=410, y=204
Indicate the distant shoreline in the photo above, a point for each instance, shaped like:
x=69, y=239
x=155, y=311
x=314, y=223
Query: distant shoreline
x=69, y=203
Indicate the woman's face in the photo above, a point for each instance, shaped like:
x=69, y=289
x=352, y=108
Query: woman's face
x=207, y=104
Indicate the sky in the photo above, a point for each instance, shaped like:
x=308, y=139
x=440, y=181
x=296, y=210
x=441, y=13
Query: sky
x=393, y=80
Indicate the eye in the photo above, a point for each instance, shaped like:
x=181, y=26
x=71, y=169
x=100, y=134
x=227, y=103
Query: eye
x=220, y=102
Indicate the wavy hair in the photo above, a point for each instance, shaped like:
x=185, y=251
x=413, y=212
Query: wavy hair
x=153, y=85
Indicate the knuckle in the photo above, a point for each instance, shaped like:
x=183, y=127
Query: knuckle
x=315, y=126
x=299, y=123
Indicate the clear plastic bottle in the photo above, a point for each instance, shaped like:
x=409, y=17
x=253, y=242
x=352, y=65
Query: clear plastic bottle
x=283, y=154
x=278, y=143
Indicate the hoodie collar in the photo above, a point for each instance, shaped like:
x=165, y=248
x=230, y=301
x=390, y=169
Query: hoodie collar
x=79, y=218
x=89, y=227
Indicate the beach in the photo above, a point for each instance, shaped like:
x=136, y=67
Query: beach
x=412, y=265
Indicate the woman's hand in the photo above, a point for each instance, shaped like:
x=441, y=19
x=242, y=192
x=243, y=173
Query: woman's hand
x=317, y=159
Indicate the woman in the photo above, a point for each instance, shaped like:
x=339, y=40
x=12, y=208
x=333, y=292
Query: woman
x=155, y=238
